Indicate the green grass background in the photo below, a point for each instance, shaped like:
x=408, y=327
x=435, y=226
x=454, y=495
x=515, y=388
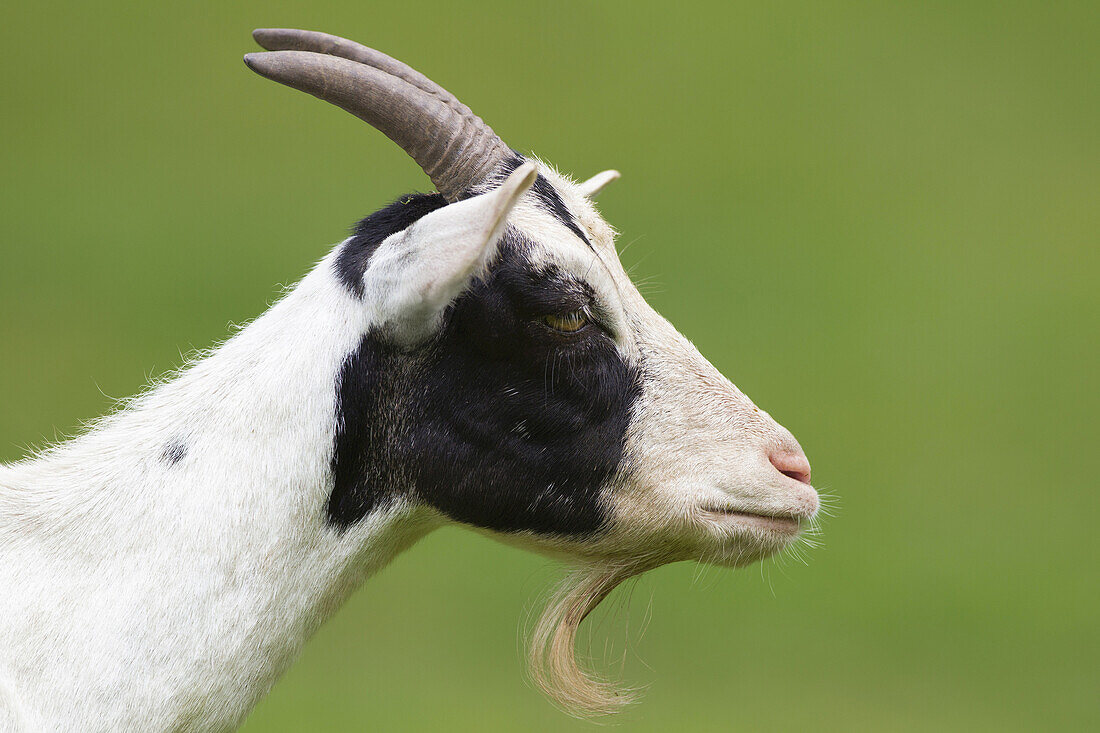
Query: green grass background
x=879, y=219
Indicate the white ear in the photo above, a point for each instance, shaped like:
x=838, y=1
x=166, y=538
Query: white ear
x=415, y=274
x=595, y=184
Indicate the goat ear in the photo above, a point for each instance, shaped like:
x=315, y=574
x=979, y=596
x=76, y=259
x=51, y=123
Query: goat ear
x=595, y=184
x=415, y=274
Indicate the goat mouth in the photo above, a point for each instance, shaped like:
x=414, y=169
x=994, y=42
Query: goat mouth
x=780, y=523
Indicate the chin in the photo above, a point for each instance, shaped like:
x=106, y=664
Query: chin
x=748, y=546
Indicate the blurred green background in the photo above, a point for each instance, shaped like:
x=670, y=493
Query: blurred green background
x=880, y=220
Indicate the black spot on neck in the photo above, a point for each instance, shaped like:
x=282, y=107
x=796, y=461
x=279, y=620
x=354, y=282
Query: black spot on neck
x=174, y=451
x=354, y=256
x=497, y=422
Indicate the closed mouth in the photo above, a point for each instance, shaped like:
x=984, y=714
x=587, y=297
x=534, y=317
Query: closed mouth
x=784, y=523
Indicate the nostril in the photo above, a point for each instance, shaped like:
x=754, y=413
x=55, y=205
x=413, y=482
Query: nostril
x=794, y=465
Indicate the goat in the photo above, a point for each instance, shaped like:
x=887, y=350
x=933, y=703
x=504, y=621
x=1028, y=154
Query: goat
x=475, y=356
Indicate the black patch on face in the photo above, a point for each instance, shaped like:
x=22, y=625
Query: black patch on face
x=174, y=452
x=498, y=421
x=354, y=256
x=548, y=197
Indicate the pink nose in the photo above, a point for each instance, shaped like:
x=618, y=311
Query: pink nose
x=791, y=463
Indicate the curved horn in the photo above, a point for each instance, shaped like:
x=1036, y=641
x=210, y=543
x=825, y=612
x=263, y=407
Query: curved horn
x=290, y=39
x=453, y=146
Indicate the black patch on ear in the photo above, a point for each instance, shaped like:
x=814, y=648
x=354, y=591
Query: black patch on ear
x=497, y=422
x=355, y=254
x=174, y=452
x=548, y=197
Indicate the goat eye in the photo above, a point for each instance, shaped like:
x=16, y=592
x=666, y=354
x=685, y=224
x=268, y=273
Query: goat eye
x=567, y=322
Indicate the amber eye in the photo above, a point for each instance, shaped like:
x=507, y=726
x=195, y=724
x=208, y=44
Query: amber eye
x=567, y=322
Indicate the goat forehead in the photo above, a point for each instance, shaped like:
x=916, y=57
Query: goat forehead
x=640, y=332
x=580, y=208
x=554, y=244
